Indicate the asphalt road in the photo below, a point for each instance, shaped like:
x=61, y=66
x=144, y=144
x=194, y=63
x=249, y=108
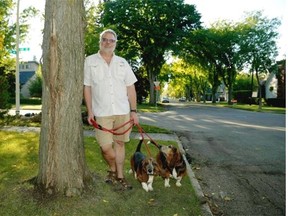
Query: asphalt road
x=237, y=156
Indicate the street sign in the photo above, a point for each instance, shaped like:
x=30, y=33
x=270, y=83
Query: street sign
x=156, y=83
x=24, y=49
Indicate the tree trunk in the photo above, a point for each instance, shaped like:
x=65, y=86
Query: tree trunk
x=259, y=90
x=230, y=91
x=152, y=98
x=62, y=167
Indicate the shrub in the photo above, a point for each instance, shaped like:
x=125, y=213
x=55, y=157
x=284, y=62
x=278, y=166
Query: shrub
x=276, y=102
x=243, y=96
x=4, y=96
x=35, y=88
x=29, y=101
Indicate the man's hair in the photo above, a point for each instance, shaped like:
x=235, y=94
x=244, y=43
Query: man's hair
x=108, y=31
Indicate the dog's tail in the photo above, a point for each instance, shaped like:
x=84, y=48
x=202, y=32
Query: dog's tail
x=138, y=149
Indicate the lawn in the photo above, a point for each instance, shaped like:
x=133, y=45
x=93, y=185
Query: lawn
x=252, y=107
x=19, y=162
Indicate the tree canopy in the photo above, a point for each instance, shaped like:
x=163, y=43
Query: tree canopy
x=227, y=47
x=259, y=45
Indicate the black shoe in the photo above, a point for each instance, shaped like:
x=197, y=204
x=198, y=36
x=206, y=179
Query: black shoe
x=125, y=185
x=111, y=177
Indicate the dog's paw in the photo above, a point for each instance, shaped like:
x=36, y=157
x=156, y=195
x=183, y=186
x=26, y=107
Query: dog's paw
x=150, y=188
x=145, y=186
x=130, y=171
x=174, y=174
x=166, y=183
x=178, y=184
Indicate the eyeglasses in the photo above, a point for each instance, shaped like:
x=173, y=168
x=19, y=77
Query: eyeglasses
x=108, y=40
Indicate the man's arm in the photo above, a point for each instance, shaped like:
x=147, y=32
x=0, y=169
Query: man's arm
x=88, y=102
x=132, y=97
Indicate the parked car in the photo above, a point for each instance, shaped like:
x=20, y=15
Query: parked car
x=182, y=99
x=165, y=100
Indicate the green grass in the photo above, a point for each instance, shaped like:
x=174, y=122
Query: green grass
x=19, y=162
x=253, y=107
x=29, y=107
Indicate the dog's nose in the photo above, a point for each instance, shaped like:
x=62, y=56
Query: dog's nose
x=150, y=171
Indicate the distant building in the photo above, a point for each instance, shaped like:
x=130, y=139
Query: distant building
x=27, y=73
x=275, y=84
x=221, y=94
x=271, y=86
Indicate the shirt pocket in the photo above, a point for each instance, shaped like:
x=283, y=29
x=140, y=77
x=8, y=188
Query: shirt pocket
x=97, y=74
x=121, y=72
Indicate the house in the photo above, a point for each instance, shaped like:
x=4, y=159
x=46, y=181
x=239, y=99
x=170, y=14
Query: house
x=275, y=86
x=27, y=73
x=271, y=85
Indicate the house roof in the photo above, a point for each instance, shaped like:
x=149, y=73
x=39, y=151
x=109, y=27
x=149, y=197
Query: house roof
x=25, y=76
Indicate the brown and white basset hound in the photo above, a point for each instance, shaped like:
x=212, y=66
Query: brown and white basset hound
x=172, y=163
x=144, y=168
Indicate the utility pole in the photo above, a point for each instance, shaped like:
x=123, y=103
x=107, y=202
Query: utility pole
x=17, y=90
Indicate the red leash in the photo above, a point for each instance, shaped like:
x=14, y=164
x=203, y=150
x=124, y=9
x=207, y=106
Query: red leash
x=142, y=132
x=113, y=131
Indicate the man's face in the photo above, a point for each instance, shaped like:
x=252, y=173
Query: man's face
x=108, y=43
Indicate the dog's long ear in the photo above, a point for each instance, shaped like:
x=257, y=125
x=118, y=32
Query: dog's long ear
x=157, y=167
x=174, y=149
x=163, y=160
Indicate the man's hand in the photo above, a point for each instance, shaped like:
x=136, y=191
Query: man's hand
x=134, y=116
x=89, y=118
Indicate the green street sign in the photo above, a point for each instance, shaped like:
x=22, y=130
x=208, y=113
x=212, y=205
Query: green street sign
x=24, y=49
x=20, y=49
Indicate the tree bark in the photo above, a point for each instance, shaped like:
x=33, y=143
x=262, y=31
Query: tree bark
x=62, y=167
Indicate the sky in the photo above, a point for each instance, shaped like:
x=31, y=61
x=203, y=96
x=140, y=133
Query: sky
x=234, y=10
x=210, y=10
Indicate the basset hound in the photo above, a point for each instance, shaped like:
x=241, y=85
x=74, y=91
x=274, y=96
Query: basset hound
x=172, y=163
x=144, y=168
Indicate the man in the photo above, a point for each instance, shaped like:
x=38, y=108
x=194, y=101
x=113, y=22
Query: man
x=110, y=97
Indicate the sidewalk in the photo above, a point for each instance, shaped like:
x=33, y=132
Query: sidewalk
x=23, y=112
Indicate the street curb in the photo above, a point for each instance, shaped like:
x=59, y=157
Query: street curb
x=198, y=190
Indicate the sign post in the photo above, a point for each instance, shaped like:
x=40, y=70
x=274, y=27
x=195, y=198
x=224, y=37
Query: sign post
x=17, y=90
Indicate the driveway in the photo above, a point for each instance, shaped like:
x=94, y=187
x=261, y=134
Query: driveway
x=237, y=156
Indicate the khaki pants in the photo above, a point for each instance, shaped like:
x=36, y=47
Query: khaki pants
x=110, y=122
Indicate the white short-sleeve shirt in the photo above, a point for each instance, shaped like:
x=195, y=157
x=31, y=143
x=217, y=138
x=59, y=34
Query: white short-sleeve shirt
x=108, y=84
